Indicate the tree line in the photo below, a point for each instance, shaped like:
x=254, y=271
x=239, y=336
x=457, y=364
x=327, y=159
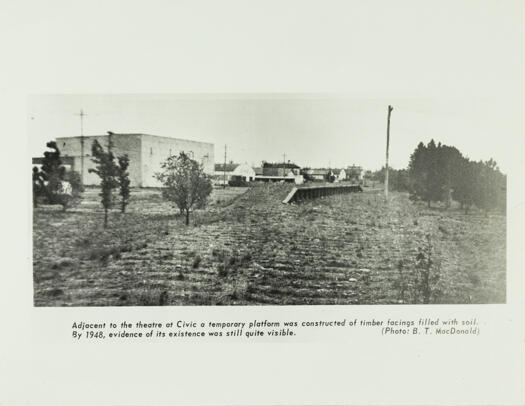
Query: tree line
x=441, y=173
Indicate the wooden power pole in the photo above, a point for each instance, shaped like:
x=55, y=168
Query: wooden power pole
x=82, y=115
x=224, y=169
x=390, y=108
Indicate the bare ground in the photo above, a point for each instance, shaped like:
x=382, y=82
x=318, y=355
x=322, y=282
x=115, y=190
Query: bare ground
x=247, y=248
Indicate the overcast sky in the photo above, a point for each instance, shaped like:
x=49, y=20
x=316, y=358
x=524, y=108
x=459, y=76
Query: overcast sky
x=311, y=130
x=453, y=70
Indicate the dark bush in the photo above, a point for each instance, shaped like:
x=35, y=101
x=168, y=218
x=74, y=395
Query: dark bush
x=238, y=182
x=196, y=262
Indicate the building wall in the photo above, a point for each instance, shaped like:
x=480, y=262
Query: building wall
x=156, y=150
x=129, y=144
x=145, y=152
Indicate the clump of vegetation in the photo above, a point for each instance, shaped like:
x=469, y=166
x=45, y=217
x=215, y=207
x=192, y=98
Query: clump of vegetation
x=63, y=263
x=163, y=298
x=427, y=273
x=104, y=253
x=230, y=262
x=234, y=291
x=223, y=270
x=55, y=292
x=196, y=262
x=53, y=183
x=398, y=179
x=218, y=254
x=421, y=284
x=151, y=297
x=401, y=283
x=238, y=182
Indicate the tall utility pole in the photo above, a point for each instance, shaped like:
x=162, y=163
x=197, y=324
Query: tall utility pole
x=284, y=165
x=390, y=108
x=82, y=115
x=224, y=168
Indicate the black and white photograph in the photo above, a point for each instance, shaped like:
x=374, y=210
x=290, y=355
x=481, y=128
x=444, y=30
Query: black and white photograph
x=262, y=203
x=164, y=200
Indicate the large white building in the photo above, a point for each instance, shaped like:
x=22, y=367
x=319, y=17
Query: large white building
x=145, y=152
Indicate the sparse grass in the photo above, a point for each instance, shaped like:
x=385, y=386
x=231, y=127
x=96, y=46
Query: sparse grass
x=252, y=249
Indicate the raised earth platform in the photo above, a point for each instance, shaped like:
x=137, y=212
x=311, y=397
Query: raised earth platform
x=298, y=194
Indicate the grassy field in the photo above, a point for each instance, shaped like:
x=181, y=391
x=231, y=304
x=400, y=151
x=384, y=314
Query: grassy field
x=249, y=248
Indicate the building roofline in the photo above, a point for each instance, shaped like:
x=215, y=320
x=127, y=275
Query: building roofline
x=137, y=134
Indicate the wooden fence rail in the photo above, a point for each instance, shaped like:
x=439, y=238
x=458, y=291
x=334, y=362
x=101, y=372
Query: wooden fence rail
x=299, y=194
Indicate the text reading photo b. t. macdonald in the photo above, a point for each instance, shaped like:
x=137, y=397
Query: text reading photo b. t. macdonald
x=258, y=200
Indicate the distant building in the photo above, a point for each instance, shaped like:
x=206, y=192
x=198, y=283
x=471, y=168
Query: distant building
x=354, y=173
x=279, y=172
x=232, y=171
x=223, y=173
x=146, y=154
x=280, y=169
x=228, y=168
x=244, y=172
x=319, y=174
x=340, y=175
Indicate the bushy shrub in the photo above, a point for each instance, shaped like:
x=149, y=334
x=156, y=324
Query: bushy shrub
x=238, y=182
x=53, y=184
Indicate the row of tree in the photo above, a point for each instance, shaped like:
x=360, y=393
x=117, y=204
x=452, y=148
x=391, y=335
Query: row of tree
x=440, y=173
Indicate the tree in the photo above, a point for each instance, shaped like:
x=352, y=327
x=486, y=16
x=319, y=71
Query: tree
x=123, y=181
x=417, y=171
x=434, y=182
x=53, y=172
x=449, y=165
x=107, y=171
x=185, y=183
x=57, y=185
x=490, y=186
x=38, y=185
x=464, y=185
x=432, y=170
x=398, y=179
